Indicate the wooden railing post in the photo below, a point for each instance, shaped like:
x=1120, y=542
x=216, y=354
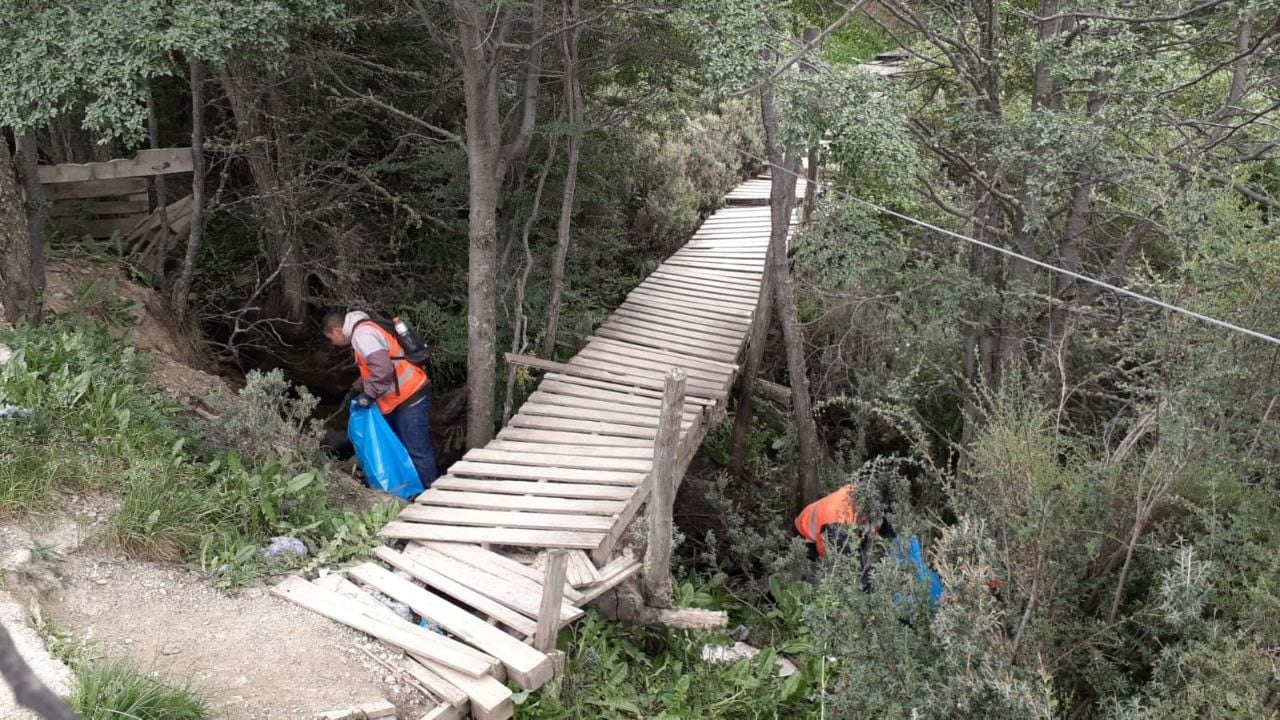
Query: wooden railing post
x=662, y=498
x=544, y=637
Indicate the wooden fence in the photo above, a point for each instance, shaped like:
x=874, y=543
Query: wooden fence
x=104, y=198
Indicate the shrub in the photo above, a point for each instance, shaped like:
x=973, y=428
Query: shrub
x=268, y=419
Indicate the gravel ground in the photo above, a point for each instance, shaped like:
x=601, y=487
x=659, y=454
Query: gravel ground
x=253, y=656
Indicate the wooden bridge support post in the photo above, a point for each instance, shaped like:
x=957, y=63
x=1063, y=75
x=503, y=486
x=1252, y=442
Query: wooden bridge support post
x=662, y=498
x=544, y=638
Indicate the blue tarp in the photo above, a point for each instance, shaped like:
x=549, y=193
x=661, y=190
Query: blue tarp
x=381, y=454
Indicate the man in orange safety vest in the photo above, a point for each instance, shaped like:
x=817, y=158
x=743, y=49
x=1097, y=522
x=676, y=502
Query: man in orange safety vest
x=826, y=522
x=400, y=389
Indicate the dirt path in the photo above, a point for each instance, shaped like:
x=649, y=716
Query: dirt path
x=253, y=656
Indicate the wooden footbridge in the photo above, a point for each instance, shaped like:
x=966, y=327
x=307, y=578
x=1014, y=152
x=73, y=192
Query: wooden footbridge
x=619, y=421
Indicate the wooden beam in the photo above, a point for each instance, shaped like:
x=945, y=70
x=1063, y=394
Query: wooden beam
x=164, y=161
x=552, y=597
x=657, y=561
x=128, y=205
x=96, y=189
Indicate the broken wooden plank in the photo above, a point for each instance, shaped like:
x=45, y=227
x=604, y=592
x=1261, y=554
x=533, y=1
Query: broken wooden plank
x=480, y=557
x=490, y=699
x=581, y=572
x=447, y=584
x=444, y=712
x=443, y=690
x=409, y=638
x=611, y=575
x=528, y=668
x=515, y=592
x=376, y=710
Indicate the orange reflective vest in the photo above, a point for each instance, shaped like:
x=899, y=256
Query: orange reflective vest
x=837, y=507
x=409, y=377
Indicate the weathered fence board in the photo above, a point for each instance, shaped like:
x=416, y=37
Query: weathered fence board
x=164, y=161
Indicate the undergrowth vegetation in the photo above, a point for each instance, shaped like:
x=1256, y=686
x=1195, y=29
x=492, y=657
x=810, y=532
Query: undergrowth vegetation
x=210, y=494
x=618, y=671
x=114, y=689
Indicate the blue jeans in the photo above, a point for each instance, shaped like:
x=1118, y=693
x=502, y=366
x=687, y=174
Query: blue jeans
x=410, y=424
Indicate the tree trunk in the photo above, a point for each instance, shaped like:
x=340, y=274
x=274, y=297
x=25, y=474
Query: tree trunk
x=287, y=299
x=480, y=90
x=182, y=288
x=28, y=157
x=573, y=100
x=781, y=202
x=18, y=284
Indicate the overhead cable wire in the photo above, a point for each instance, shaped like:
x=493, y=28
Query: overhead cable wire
x=1038, y=263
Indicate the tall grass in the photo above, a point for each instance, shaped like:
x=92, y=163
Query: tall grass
x=116, y=690
x=185, y=492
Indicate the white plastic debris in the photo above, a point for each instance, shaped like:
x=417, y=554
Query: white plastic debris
x=740, y=650
x=284, y=545
x=13, y=412
x=6, y=354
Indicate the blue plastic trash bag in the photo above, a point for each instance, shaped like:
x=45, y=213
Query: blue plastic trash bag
x=381, y=454
x=914, y=556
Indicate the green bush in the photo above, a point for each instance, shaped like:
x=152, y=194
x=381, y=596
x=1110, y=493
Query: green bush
x=267, y=419
x=115, y=689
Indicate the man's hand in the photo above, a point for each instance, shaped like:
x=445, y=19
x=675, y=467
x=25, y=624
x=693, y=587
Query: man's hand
x=364, y=401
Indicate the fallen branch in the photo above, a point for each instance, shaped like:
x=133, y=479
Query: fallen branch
x=772, y=391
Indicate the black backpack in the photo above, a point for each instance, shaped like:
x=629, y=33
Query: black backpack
x=416, y=348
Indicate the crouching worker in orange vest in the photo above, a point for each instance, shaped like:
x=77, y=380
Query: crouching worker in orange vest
x=400, y=389
x=826, y=522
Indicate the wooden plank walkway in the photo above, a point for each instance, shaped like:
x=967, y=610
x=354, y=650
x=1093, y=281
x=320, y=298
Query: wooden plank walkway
x=569, y=472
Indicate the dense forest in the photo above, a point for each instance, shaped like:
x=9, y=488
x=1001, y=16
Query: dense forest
x=1095, y=476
